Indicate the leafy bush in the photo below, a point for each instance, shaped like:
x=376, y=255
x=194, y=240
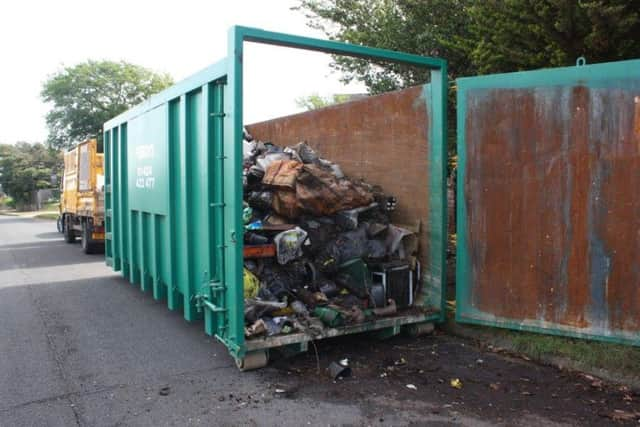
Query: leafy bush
x=7, y=202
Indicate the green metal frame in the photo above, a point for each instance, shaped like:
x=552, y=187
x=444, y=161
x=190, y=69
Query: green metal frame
x=233, y=131
x=230, y=70
x=602, y=75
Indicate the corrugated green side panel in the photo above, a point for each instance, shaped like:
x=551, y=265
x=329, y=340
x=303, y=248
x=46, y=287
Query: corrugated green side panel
x=174, y=176
x=165, y=176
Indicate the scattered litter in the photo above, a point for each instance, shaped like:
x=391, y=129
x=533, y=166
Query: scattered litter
x=595, y=382
x=251, y=284
x=289, y=244
x=456, y=383
x=339, y=370
x=256, y=329
x=620, y=415
x=400, y=362
x=320, y=248
x=412, y=387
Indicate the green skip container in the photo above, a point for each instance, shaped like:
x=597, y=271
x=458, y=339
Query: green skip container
x=174, y=191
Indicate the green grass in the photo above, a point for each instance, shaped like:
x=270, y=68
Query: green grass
x=619, y=362
x=47, y=215
x=51, y=206
x=616, y=358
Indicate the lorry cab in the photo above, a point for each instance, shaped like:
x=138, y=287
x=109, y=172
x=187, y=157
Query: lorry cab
x=82, y=200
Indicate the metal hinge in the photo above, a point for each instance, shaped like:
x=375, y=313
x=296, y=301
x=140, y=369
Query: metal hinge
x=203, y=301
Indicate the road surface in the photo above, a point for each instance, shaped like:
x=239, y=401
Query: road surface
x=80, y=346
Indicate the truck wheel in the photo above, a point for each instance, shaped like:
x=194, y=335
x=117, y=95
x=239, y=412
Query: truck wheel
x=60, y=225
x=88, y=245
x=69, y=233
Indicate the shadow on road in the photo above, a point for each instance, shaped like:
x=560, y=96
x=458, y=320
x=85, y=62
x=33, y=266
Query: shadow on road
x=43, y=253
x=50, y=235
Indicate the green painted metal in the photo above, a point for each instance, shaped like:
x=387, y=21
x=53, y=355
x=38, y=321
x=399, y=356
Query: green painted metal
x=174, y=182
x=622, y=75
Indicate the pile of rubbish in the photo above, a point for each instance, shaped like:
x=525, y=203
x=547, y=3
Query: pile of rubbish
x=320, y=250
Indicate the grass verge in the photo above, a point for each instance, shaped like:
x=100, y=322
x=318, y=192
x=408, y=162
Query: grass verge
x=614, y=362
x=47, y=215
x=51, y=206
x=592, y=355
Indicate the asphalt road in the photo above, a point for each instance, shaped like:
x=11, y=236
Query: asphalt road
x=80, y=346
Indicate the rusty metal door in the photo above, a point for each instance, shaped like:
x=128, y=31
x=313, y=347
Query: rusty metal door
x=548, y=224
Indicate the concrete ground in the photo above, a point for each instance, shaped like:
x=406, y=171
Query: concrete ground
x=80, y=346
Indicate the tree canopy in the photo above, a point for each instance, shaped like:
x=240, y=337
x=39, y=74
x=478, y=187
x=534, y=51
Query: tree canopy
x=86, y=95
x=26, y=167
x=315, y=101
x=476, y=36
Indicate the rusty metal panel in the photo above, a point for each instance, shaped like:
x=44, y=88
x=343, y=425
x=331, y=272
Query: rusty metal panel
x=548, y=201
x=385, y=140
x=370, y=143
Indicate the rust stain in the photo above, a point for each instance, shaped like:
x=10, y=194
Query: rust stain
x=553, y=213
x=620, y=214
x=636, y=120
x=382, y=139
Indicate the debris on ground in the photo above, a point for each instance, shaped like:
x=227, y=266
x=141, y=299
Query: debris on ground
x=456, y=383
x=498, y=391
x=321, y=250
x=339, y=370
x=621, y=415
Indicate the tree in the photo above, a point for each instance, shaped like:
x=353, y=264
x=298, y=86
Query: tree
x=415, y=26
x=514, y=35
x=85, y=96
x=315, y=101
x=25, y=168
x=477, y=36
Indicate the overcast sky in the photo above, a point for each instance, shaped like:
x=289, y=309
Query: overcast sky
x=38, y=38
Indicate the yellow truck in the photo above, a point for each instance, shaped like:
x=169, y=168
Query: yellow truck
x=82, y=200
